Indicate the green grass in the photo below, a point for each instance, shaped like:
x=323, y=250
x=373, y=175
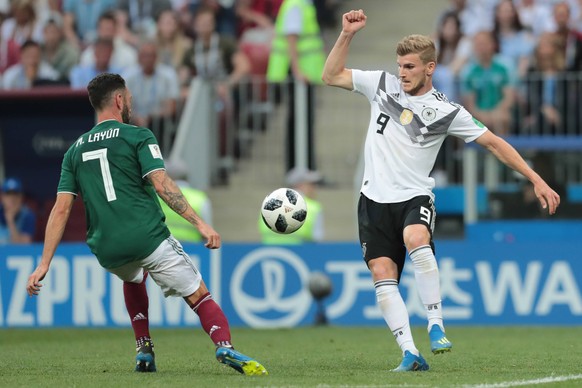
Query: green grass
x=312, y=356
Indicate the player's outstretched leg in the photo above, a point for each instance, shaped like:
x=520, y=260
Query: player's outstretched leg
x=215, y=324
x=239, y=362
x=145, y=360
x=412, y=363
x=438, y=340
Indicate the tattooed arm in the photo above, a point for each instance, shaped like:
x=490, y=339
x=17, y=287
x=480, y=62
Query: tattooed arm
x=171, y=194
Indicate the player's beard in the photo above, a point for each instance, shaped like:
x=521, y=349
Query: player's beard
x=416, y=88
x=125, y=113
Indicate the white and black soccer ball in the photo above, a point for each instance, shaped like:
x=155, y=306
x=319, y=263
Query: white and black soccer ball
x=284, y=210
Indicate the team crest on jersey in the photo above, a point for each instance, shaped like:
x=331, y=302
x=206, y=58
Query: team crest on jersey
x=155, y=150
x=428, y=114
x=406, y=117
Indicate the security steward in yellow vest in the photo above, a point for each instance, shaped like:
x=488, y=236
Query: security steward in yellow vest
x=305, y=182
x=297, y=51
x=297, y=44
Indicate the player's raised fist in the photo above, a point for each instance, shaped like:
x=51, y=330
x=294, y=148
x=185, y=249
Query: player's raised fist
x=353, y=21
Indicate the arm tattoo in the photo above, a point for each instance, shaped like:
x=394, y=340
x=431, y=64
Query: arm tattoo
x=172, y=196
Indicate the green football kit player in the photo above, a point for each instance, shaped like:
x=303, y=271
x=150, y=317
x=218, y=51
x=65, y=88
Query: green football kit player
x=118, y=170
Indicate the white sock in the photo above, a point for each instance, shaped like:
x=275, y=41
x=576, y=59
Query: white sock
x=395, y=313
x=426, y=273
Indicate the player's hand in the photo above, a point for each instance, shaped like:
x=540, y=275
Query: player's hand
x=33, y=286
x=353, y=21
x=212, y=237
x=549, y=199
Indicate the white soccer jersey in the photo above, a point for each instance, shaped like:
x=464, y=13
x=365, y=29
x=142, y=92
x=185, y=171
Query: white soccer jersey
x=405, y=135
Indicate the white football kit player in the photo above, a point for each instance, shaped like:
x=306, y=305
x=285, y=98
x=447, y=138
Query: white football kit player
x=404, y=136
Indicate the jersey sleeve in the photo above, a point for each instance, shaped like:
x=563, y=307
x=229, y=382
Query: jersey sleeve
x=148, y=152
x=466, y=127
x=67, y=182
x=366, y=82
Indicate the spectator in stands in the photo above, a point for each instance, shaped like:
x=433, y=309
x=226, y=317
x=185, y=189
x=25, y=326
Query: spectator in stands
x=571, y=50
x=30, y=70
x=475, y=15
x=224, y=15
x=4, y=9
x=47, y=9
x=24, y=24
x=156, y=90
x=570, y=39
x=213, y=56
x=179, y=227
x=216, y=58
x=486, y=88
x=516, y=44
x=256, y=14
x=123, y=56
x=171, y=41
x=313, y=230
x=535, y=15
x=576, y=14
x=140, y=17
x=544, y=87
x=453, y=50
x=81, y=18
x=9, y=52
x=56, y=50
x=298, y=51
x=17, y=221
x=81, y=74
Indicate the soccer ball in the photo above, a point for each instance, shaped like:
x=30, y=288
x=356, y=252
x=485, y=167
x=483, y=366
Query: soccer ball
x=284, y=210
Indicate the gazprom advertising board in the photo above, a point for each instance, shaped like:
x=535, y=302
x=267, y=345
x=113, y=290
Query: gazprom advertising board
x=258, y=286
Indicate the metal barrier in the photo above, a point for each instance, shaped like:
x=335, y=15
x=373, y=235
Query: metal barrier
x=252, y=131
x=250, y=143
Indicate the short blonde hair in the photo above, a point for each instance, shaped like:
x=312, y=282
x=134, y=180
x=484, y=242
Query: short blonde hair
x=417, y=44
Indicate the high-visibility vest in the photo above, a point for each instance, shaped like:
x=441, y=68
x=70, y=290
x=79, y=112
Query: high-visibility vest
x=309, y=45
x=181, y=229
x=303, y=234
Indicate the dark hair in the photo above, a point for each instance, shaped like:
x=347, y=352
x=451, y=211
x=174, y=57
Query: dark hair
x=101, y=87
x=29, y=43
x=107, y=15
x=440, y=36
x=515, y=23
x=202, y=10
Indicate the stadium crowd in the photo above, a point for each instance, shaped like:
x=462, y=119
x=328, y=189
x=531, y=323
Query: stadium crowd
x=510, y=62
x=515, y=64
x=158, y=46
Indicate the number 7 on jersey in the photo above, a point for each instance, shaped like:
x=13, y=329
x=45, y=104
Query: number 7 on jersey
x=101, y=155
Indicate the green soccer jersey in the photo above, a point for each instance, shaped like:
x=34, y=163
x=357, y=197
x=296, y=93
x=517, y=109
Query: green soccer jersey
x=107, y=166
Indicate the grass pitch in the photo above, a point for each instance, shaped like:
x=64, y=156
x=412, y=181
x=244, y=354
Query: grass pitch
x=303, y=357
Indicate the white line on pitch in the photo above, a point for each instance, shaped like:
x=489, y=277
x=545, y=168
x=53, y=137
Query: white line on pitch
x=544, y=380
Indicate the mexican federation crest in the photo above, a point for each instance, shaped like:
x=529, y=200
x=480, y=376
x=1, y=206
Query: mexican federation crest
x=406, y=117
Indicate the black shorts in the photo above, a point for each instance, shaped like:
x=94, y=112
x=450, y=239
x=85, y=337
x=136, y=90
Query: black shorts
x=381, y=226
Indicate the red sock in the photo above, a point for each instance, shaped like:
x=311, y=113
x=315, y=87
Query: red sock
x=137, y=303
x=213, y=320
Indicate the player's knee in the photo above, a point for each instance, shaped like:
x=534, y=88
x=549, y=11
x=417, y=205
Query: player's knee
x=383, y=268
x=415, y=236
x=423, y=259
